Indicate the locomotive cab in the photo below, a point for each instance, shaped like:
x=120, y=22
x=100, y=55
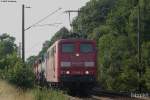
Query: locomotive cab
x=77, y=61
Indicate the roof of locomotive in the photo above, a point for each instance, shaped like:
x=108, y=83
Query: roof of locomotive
x=69, y=40
x=72, y=40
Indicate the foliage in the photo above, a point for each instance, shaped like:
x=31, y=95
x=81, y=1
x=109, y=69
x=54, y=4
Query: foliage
x=21, y=76
x=117, y=63
x=30, y=61
x=92, y=15
x=10, y=92
x=147, y=78
x=7, y=47
x=11, y=66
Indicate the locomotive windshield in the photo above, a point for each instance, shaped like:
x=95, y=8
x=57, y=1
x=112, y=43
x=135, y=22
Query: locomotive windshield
x=68, y=48
x=86, y=47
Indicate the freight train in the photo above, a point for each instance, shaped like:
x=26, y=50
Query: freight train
x=68, y=62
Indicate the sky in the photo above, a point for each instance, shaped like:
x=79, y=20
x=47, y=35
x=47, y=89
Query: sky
x=11, y=20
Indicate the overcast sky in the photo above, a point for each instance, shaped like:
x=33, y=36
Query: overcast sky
x=10, y=20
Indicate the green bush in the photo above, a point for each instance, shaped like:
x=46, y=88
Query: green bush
x=21, y=75
x=11, y=66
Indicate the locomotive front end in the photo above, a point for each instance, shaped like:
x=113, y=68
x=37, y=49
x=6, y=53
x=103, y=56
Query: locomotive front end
x=77, y=61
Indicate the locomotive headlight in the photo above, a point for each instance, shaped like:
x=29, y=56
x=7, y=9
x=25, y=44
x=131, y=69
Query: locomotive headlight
x=77, y=55
x=65, y=64
x=89, y=64
x=87, y=72
x=67, y=72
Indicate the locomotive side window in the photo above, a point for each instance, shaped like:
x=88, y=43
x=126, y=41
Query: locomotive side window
x=68, y=48
x=86, y=48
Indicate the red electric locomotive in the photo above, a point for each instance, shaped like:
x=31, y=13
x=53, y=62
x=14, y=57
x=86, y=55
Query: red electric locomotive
x=70, y=61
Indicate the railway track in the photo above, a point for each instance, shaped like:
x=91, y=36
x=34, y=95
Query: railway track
x=98, y=94
x=93, y=97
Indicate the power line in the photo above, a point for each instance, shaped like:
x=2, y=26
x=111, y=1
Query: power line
x=54, y=24
x=43, y=19
x=23, y=32
x=139, y=47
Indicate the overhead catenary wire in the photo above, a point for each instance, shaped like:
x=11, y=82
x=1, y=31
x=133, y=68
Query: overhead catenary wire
x=53, y=24
x=69, y=13
x=43, y=19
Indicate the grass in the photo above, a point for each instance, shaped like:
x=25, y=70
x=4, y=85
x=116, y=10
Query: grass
x=46, y=94
x=9, y=92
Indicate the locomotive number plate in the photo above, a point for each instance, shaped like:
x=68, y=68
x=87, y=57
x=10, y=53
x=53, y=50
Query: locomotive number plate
x=76, y=72
x=77, y=63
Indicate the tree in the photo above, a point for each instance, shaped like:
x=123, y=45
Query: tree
x=7, y=44
x=117, y=63
x=12, y=68
x=7, y=47
x=92, y=15
x=30, y=61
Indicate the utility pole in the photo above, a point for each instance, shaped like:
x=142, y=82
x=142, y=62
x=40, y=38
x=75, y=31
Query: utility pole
x=139, y=47
x=23, y=37
x=69, y=12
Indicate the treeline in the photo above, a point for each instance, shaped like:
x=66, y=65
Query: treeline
x=12, y=68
